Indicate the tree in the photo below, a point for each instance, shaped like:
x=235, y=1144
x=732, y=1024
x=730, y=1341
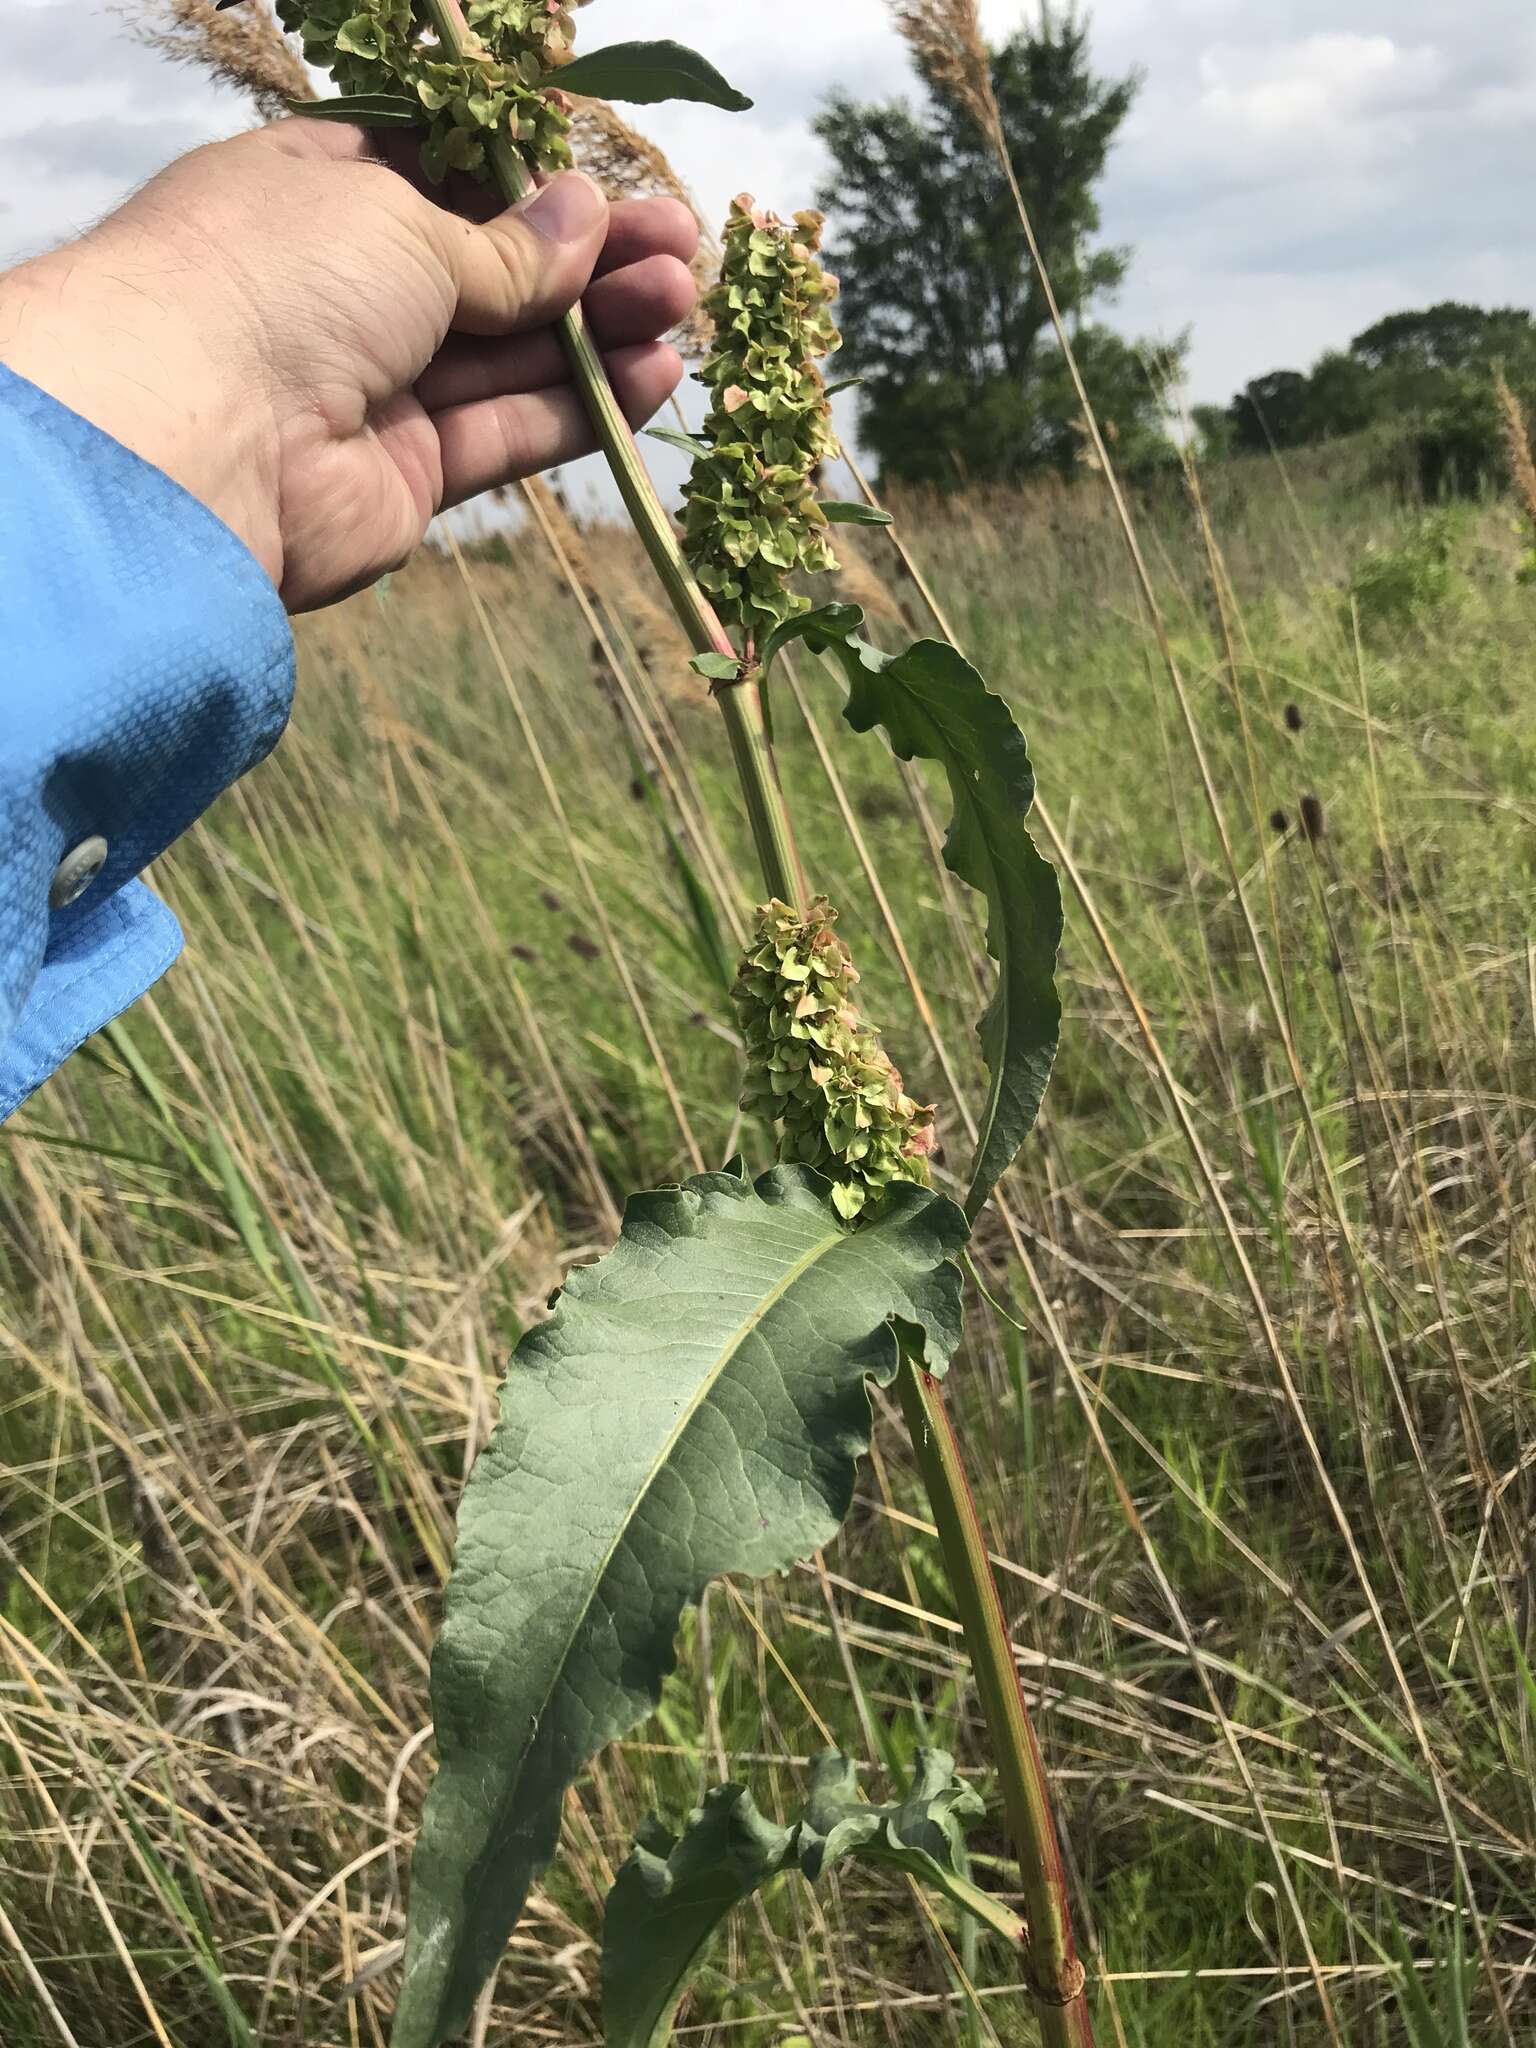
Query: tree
x=1424, y=377
x=1271, y=412
x=1449, y=336
x=946, y=317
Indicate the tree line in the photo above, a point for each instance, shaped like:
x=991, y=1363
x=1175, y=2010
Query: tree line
x=1426, y=377
x=963, y=378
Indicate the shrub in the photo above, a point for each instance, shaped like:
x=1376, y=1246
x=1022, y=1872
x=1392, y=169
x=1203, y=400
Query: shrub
x=1392, y=589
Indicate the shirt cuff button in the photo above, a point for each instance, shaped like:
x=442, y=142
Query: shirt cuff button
x=76, y=872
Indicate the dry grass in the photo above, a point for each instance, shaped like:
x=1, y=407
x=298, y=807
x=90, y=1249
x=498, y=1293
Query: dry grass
x=266, y=1249
x=241, y=46
x=945, y=38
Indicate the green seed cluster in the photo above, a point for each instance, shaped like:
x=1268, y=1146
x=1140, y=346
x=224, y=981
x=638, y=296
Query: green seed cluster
x=515, y=47
x=816, y=1067
x=752, y=515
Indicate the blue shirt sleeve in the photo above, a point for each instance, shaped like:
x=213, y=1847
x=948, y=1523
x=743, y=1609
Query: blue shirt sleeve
x=145, y=663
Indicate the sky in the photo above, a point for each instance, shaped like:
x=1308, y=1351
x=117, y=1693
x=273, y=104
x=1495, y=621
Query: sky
x=1291, y=170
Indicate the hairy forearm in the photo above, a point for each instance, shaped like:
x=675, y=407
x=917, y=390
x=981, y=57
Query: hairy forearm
x=124, y=331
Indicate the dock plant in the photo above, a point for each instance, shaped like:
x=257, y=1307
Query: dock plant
x=698, y=1400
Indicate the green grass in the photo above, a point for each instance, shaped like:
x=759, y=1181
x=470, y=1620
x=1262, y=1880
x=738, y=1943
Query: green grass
x=265, y=1247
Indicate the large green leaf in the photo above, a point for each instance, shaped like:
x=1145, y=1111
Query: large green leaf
x=674, y=1894
x=647, y=72
x=695, y=1406
x=934, y=706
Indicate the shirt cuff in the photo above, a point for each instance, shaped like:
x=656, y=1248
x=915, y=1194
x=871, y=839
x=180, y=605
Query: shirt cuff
x=146, y=663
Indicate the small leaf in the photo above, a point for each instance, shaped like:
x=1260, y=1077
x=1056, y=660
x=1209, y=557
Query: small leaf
x=717, y=668
x=363, y=110
x=695, y=1405
x=689, y=443
x=844, y=384
x=673, y=1895
x=922, y=1834
x=670, y=1899
x=647, y=72
x=838, y=512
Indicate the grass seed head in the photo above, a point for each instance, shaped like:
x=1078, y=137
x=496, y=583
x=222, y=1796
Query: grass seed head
x=752, y=515
x=945, y=37
x=817, y=1068
x=1517, y=446
x=242, y=47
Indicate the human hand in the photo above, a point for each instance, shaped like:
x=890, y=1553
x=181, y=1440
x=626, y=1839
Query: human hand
x=326, y=357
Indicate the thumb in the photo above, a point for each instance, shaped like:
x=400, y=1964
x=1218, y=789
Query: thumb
x=531, y=264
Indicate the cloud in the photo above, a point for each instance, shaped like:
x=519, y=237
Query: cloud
x=1283, y=180
x=1318, y=87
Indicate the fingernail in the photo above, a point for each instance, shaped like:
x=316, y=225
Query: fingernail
x=566, y=210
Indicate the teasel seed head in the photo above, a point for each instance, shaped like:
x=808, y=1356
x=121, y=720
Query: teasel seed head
x=752, y=517
x=817, y=1068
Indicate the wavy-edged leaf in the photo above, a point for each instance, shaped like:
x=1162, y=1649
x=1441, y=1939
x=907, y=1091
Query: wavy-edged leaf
x=696, y=1405
x=644, y=73
x=933, y=706
x=669, y=1901
x=829, y=623
x=922, y=1834
x=675, y=1892
x=853, y=512
x=363, y=110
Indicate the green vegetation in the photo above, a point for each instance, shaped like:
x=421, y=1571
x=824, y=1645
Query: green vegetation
x=1425, y=382
x=1317, y=1648
x=266, y=1248
x=945, y=315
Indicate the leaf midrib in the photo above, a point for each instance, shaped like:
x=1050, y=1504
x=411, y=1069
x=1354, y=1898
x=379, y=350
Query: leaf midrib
x=724, y=1358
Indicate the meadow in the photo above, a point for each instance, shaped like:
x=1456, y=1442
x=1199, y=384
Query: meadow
x=1248, y=1385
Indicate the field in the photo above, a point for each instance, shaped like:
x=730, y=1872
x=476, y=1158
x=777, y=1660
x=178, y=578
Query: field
x=1249, y=1390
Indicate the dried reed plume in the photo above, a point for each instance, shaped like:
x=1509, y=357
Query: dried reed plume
x=1517, y=446
x=628, y=166
x=244, y=48
x=858, y=584
x=945, y=37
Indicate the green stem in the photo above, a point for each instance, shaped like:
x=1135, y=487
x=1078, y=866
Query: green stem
x=741, y=702
x=1056, y=1976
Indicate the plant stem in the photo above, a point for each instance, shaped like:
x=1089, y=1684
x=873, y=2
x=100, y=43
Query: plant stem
x=1055, y=1975
x=740, y=702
